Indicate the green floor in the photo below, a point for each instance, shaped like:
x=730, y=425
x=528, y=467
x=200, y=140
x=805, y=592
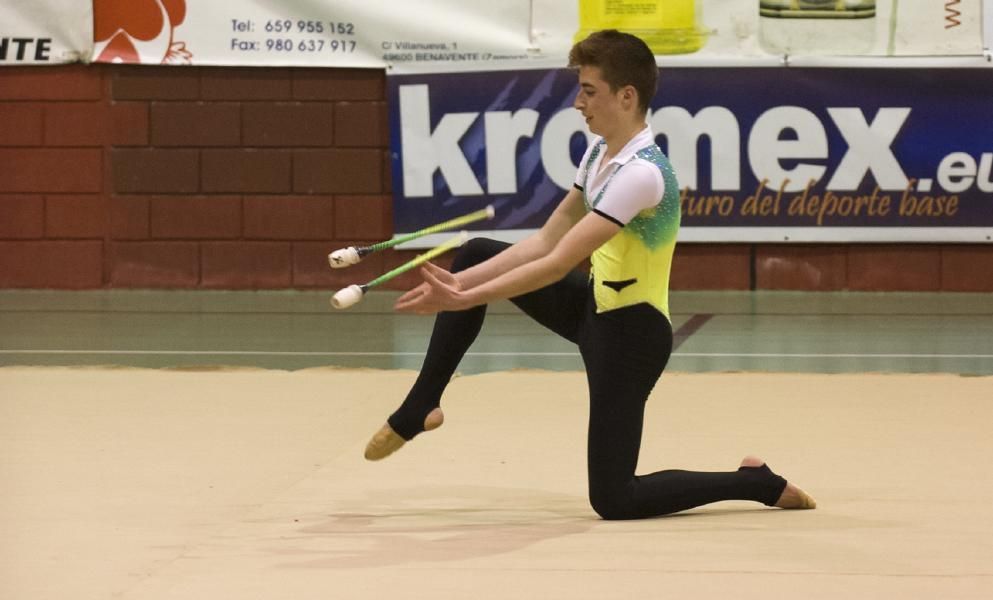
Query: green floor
x=716, y=331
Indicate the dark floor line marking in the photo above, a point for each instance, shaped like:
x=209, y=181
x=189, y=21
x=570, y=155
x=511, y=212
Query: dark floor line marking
x=689, y=328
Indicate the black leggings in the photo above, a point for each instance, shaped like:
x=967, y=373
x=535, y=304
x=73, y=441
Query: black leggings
x=625, y=351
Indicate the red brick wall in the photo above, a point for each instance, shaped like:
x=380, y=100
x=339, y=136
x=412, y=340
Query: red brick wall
x=136, y=177
x=175, y=177
x=827, y=267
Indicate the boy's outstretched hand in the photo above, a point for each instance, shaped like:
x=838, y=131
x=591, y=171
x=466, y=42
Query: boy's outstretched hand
x=440, y=292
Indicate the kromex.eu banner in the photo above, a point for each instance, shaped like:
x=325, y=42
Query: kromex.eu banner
x=417, y=35
x=761, y=154
x=38, y=32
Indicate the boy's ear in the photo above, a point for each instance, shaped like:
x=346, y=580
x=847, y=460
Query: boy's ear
x=629, y=94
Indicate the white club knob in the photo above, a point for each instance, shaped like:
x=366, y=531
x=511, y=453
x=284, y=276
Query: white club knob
x=347, y=296
x=344, y=257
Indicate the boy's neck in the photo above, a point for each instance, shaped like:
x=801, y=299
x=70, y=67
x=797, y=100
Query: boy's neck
x=620, y=138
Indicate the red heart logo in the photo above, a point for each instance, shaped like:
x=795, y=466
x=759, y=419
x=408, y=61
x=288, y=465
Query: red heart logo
x=141, y=19
x=120, y=49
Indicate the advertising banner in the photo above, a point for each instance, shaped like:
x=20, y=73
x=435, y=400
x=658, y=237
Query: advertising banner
x=343, y=33
x=38, y=32
x=511, y=34
x=988, y=28
x=761, y=154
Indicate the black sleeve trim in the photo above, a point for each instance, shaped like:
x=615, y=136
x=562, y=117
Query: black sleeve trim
x=608, y=217
x=578, y=187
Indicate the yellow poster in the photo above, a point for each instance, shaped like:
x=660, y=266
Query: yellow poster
x=667, y=26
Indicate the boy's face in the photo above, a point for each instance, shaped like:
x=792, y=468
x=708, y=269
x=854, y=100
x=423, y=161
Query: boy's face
x=602, y=108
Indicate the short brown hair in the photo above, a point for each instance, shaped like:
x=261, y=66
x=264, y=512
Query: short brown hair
x=623, y=60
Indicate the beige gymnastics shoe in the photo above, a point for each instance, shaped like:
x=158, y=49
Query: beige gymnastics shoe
x=386, y=441
x=796, y=499
x=792, y=496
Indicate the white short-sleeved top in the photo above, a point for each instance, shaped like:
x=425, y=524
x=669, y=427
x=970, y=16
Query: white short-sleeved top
x=639, y=186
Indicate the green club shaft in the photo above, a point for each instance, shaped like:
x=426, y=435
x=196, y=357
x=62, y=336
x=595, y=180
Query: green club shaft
x=419, y=260
x=472, y=217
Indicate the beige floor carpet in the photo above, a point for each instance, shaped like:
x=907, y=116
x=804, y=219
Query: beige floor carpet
x=238, y=484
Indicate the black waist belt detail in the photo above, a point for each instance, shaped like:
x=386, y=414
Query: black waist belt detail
x=619, y=285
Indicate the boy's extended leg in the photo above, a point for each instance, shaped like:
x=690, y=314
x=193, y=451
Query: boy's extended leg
x=557, y=306
x=625, y=352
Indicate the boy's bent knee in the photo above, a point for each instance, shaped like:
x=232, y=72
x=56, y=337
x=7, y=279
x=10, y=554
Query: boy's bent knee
x=613, y=506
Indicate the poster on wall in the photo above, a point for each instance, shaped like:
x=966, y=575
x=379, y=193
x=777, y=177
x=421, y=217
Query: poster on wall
x=733, y=29
x=761, y=154
x=40, y=32
x=343, y=33
x=988, y=28
x=500, y=34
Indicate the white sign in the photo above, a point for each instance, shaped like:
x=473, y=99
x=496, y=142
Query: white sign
x=418, y=35
x=34, y=32
x=988, y=27
x=342, y=33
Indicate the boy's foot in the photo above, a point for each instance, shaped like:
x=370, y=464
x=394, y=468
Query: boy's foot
x=792, y=497
x=386, y=441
